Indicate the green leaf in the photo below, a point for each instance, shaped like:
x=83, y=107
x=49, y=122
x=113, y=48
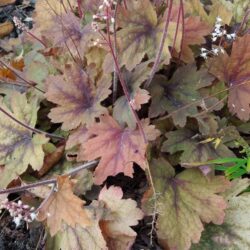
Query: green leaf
x=18, y=147
x=192, y=147
x=234, y=233
x=140, y=35
x=179, y=92
x=185, y=201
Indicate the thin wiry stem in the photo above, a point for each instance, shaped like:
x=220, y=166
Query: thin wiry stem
x=115, y=80
x=162, y=42
x=50, y=181
x=14, y=71
x=122, y=81
x=154, y=200
x=79, y=8
x=34, y=130
x=180, y=15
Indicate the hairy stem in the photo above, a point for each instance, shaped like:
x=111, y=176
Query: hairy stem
x=159, y=53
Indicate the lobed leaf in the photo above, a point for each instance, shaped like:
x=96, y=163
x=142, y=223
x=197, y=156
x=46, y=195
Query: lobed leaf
x=140, y=34
x=118, y=147
x=179, y=92
x=139, y=96
x=77, y=97
x=185, y=201
x=63, y=206
x=192, y=147
x=235, y=71
x=18, y=147
x=123, y=214
x=234, y=233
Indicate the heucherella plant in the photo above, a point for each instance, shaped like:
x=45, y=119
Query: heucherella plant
x=118, y=132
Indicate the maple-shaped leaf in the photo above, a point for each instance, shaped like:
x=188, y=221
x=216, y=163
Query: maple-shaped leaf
x=181, y=90
x=77, y=97
x=69, y=33
x=193, y=146
x=79, y=238
x=139, y=96
x=140, y=34
x=46, y=11
x=63, y=206
x=185, y=201
x=18, y=147
x=123, y=214
x=118, y=147
x=235, y=71
x=234, y=233
x=194, y=33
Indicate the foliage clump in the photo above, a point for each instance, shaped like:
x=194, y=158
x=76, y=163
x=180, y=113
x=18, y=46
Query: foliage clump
x=96, y=89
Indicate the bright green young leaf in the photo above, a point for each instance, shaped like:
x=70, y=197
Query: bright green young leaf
x=184, y=202
x=140, y=34
x=234, y=233
x=18, y=147
x=193, y=147
x=180, y=91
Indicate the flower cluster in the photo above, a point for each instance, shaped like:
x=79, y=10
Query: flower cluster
x=19, y=24
x=19, y=211
x=219, y=31
x=105, y=13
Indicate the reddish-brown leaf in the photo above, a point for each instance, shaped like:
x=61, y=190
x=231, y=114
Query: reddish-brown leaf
x=63, y=206
x=118, y=147
x=194, y=33
x=235, y=71
x=77, y=97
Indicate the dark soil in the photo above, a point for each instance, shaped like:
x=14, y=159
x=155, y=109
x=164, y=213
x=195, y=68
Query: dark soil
x=21, y=9
x=12, y=238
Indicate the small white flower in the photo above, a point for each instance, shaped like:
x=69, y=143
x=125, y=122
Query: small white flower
x=204, y=55
x=32, y=216
x=218, y=19
x=217, y=26
x=203, y=50
x=215, y=51
x=229, y=36
x=214, y=39
x=233, y=35
x=17, y=221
